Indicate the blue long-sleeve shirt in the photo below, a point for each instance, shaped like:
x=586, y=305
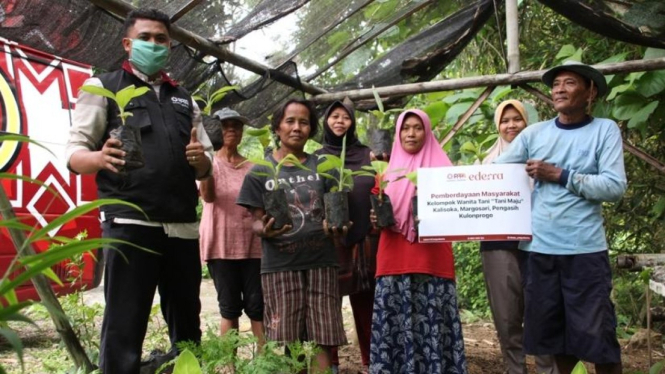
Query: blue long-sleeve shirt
x=566, y=216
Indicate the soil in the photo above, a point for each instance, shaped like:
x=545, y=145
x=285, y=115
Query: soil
x=482, y=348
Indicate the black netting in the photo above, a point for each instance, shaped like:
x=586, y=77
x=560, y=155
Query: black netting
x=632, y=21
x=266, y=12
x=423, y=56
x=336, y=40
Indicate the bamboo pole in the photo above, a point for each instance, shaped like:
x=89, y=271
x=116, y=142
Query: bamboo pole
x=184, y=10
x=45, y=292
x=626, y=145
x=481, y=81
x=192, y=40
x=512, y=37
x=465, y=117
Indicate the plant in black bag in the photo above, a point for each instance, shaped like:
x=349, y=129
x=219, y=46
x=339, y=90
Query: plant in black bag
x=380, y=136
x=383, y=208
x=336, y=202
x=130, y=136
x=275, y=203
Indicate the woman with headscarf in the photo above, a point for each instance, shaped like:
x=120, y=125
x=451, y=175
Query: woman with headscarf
x=357, y=259
x=416, y=326
x=501, y=261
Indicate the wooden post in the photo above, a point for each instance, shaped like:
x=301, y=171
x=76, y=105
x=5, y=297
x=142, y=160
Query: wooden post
x=648, y=296
x=466, y=115
x=188, y=38
x=512, y=36
x=46, y=294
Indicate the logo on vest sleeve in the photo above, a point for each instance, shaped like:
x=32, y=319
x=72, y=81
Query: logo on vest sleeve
x=180, y=101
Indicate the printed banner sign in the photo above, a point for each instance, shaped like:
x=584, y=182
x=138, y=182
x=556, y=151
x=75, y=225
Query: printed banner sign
x=480, y=202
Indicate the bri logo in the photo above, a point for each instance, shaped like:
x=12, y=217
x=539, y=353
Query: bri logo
x=456, y=177
x=180, y=101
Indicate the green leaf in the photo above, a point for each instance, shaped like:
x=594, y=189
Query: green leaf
x=436, y=111
x=627, y=105
x=124, y=96
x=658, y=208
x=78, y=212
x=25, y=178
x=642, y=115
x=35, y=264
x=15, y=224
x=577, y=56
x=257, y=132
x=579, y=368
x=219, y=94
x=616, y=58
x=619, y=89
x=186, y=363
x=13, y=339
x=456, y=111
x=657, y=368
x=651, y=83
x=377, y=98
x=99, y=91
x=327, y=165
x=499, y=94
x=23, y=139
x=654, y=53
x=565, y=52
x=469, y=147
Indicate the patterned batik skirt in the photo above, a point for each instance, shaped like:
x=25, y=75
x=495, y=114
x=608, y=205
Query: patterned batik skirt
x=416, y=326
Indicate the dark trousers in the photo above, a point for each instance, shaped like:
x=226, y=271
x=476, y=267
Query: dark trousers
x=130, y=279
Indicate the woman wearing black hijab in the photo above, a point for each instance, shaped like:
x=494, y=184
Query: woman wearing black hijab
x=357, y=253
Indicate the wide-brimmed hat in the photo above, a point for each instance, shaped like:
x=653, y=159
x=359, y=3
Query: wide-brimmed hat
x=582, y=69
x=228, y=113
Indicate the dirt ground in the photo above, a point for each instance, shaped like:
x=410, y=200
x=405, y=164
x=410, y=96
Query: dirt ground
x=482, y=348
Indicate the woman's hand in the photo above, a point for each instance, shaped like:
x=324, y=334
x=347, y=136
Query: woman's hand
x=263, y=227
x=336, y=232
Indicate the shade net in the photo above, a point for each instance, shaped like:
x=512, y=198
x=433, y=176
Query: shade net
x=323, y=42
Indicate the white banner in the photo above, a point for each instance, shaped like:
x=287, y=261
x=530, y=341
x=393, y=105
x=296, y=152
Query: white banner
x=480, y=202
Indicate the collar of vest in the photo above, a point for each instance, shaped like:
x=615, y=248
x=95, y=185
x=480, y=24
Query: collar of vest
x=126, y=66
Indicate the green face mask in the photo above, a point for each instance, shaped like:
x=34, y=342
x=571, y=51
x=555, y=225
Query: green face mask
x=147, y=57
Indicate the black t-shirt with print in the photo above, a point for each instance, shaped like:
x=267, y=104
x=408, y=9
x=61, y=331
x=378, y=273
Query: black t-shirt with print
x=305, y=246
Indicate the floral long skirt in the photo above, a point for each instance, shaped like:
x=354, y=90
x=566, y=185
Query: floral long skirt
x=416, y=326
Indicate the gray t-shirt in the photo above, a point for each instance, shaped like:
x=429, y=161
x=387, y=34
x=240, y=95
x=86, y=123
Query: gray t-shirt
x=305, y=246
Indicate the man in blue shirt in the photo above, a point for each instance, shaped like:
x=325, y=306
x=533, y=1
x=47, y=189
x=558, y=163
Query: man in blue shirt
x=577, y=163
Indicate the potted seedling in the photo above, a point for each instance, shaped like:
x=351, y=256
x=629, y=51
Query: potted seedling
x=383, y=208
x=380, y=136
x=274, y=201
x=211, y=124
x=336, y=202
x=130, y=136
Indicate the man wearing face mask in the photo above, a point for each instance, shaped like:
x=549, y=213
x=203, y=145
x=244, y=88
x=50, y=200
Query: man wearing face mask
x=177, y=152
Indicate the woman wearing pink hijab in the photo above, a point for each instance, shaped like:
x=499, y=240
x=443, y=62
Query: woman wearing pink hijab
x=415, y=323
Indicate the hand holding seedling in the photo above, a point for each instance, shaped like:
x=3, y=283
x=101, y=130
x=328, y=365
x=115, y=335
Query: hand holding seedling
x=336, y=231
x=196, y=154
x=263, y=228
x=111, y=155
x=382, y=157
